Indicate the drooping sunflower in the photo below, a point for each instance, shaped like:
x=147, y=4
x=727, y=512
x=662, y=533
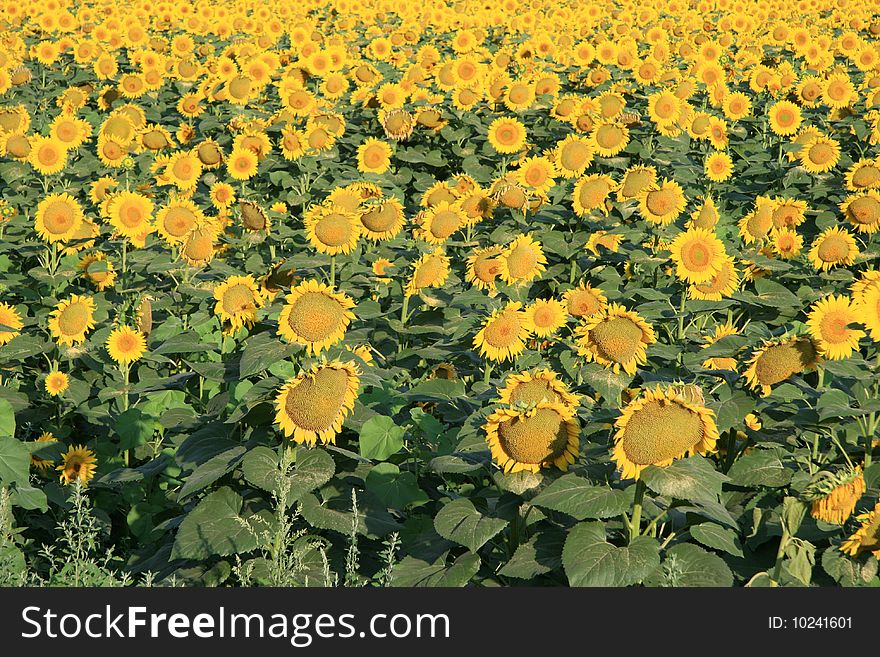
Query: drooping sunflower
x=635, y=180
x=439, y=222
x=828, y=322
x=662, y=204
x=832, y=248
x=484, y=267
x=332, y=229
x=616, y=338
x=864, y=174
x=698, y=255
x=126, y=345
x=72, y=319
x=867, y=537
x=58, y=217
x=197, y=248
x=721, y=285
x=720, y=362
x=131, y=214
x=503, y=334
x=862, y=210
x=41, y=464
x=430, y=270
x=585, y=301
x=545, y=316
x=238, y=299
x=834, y=495
x=382, y=218
x=778, y=360
x=315, y=315
x=10, y=323
x=572, y=156
x=591, y=193
x=507, y=135
x=659, y=427
x=530, y=388
x=79, y=464
x=533, y=438
x=522, y=260
x=253, y=217
x=56, y=383
x=374, y=156
x=312, y=406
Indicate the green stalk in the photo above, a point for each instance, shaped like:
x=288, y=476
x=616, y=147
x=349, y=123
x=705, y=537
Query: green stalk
x=332, y=271
x=636, y=520
x=487, y=371
x=681, y=312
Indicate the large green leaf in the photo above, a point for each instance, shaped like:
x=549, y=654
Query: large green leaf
x=396, y=489
x=693, y=479
x=415, y=572
x=761, y=467
x=691, y=565
x=215, y=526
x=590, y=560
x=15, y=461
x=715, y=536
x=579, y=498
x=459, y=521
x=380, y=437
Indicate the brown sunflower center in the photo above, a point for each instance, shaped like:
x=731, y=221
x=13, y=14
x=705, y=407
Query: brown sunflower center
x=333, y=230
x=659, y=431
x=445, y=223
x=315, y=316
x=864, y=210
x=821, y=153
x=833, y=249
x=238, y=298
x=660, y=202
x=574, y=155
x=779, y=362
x=536, y=439
x=315, y=402
x=502, y=331
x=58, y=218
x=866, y=176
x=74, y=319
x=618, y=339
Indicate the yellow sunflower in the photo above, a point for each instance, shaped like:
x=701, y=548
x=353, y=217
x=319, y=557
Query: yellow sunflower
x=72, y=319
x=608, y=139
x=537, y=173
x=720, y=362
x=56, y=383
x=828, y=323
x=787, y=243
x=312, y=406
x=522, y=261
x=785, y=118
x=862, y=210
x=507, y=135
x=635, y=180
x=79, y=465
x=755, y=226
x=662, y=204
x=430, y=270
x=533, y=438
x=778, y=360
x=698, y=255
x=238, y=299
x=584, y=301
x=39, y=463
x=832, y=248
x=10, y=323
x=242, y=164
x=616, y=338
x=58, y=217
x=545, y=316
x=867, y=537
x=484, y=267
x=332, y=229
x=503, y=334
x=591, y=193
x=315, y=315
x=659, y=427
x=721, y=285
x=718, y=166
x=819, y=155
x=47, y=155
x=572, y=156
x=175, y=221
x=374, y=156
x=126, y=345
x=382, y=219
x=864, y=174
x=834, y=495
x=131, y=214
x=530, y=388
x=439, y=222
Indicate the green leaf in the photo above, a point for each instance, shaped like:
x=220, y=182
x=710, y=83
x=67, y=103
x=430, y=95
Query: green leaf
x=693, y=479
x=434, y=389
x=314, y=468
x=215, y=526
x=776, y=295
x=459, y=521
x=260, y=468
x=416, y=572
x=717, y=537
x=7, y=419
x=690, y=565
x=15, y=461
x=30, y=498
x=577, y=497
x=761, y=467
x=540, y=555
x=606, y=382
x=590, y=560
x=731, y=408
x=394, y=488
x=380, y=437
x=211, y=470
x=134, y=427
x=260, y=352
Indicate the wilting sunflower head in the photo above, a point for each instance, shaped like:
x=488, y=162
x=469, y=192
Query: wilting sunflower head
x=312, y=406
x=867, y=537
x=238, y=299
x=659, y=427
x=315, y=315
x=522, y=261
x=530, y=388
x=616, y=338
x=529, y=439
x=834, y=495
x=430, y=270
x=776, y=361
x=398, y=124
x=198, y=247
x=253, y=217
x=79, y=465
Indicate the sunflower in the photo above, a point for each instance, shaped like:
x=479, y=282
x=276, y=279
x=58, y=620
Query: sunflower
x=530, y=388
x=79, y=465
x=72, y=319
x=222, y=195
x=718, y=166
x=126, y=345
x=522, y=260
x=503, y=334
x=238, y=299
x=175, y=221
x=663, y=203
x=382, y=218
x=608, y=139
x=706, y=216
x=242, y=164
x=507, y=135
x=484, y=267
x=39, y=463
x=834, y=495
x=398, y=124
x=197, y=248
x=616, y=338
x=315, y=315
x=787, y=243
x=604, y=239
x=785, y=118
x=720, y=362
x=788, y=212
x=635, y=180
x=828, y=323
x=430, y=270
x=533, y=438
x=864, y=174
x=832, y=248
x=47, y=155
x=131, y=214
x=572, y=156
x=253, y=217
x=58, y=217
x=537, y=174
x=332, y=229
x=184, y=170
x=10, y=323
x=591, y=193
x=756, y=225
x=867, y=537
x=659, y=427
x=374, y=156
x=867, y=308
x=862, y=210
x=439, y=222
x=312, y=406
x=545, y=316
x=819, y=155
x=721, y=285
x=698, y=255
x=56, y=382
x=585, y=301
x=778, y=360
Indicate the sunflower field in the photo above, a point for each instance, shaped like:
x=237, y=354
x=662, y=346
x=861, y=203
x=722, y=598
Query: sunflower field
x=439, y=293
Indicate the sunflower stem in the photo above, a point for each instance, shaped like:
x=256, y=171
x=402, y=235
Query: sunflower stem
x=125, y=370
x=869, y=437
x=332, y=271
x=731, y=449
x=636, y=519
x=487, y=371
x=681, y=311
x=404, y=309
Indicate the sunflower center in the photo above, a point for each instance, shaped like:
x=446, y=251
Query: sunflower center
x=315, y=316
x=74, y=319
x=834, y=327
x=865, y=210
x=635, y=181
x=131, y=215
x=660, y=202
x=779, y=362
x=536, y=176
x=502, y=331
x=536, y=439
x=506, y=135
x=660, y=431
x=381, y=219
x=532, y=392
x=574, y=155
x=544, y=317
x=593, y=193
x=866, y=176
x=314, y=404
x=58, y=218
x=374, y=156
x=333, y=230
x=487, y=269
x=833, y=249
x=821, y=153
x=126, y=343
x=519, y=93
x=445, y=223
x=48, y=155
x=618, y=339
x=521, y=261
x=179, y=221
x=583, y=304
x=238, y=298
x=428, y=272
x=609, y=136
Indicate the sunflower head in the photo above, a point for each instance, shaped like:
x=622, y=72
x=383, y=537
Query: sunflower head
x=615, y=338
x=834, y=495
x=503, y=334
x=79, y=464
x=315, y=315
x=531, y=388
x=776, y=361
x=530, y=439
